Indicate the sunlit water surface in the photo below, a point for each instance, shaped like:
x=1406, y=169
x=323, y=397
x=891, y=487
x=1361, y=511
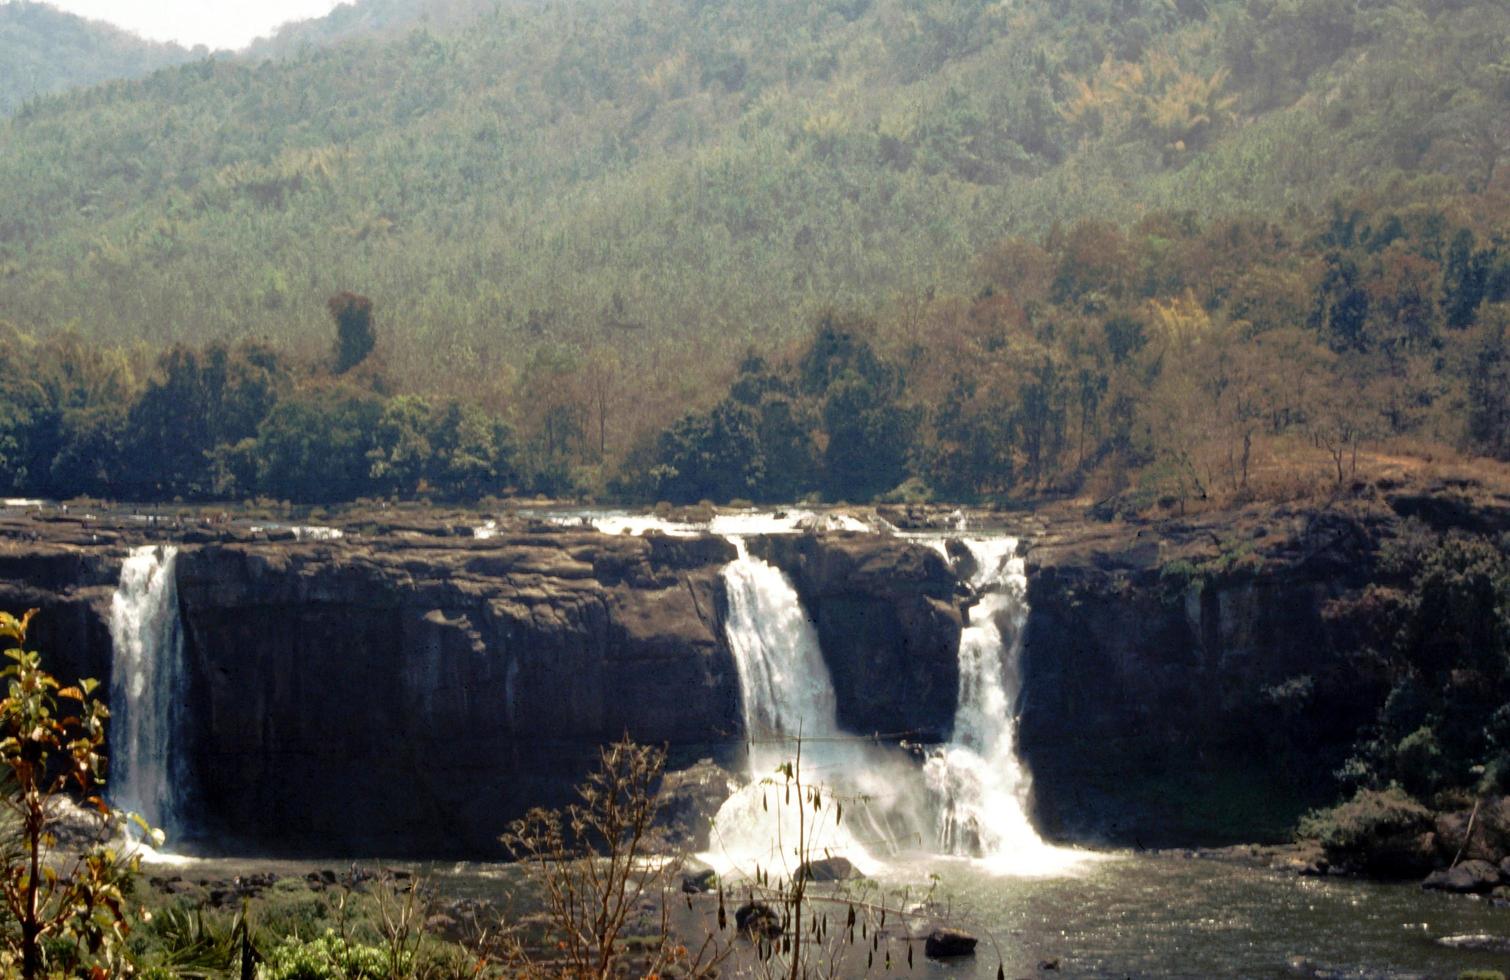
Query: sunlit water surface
x=1123, y=915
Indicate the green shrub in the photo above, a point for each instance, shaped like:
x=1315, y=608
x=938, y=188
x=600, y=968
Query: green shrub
x=1420, y=762
x=1382, y=832
x=1369, y=815
x=326, y=957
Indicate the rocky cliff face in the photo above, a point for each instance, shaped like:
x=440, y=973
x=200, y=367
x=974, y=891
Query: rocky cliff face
x=411, y=689
x=404, y=691
x=403, y=694
x=1199, y=655
x=888, y=618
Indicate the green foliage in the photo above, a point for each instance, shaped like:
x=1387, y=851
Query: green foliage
x=1085, y=247
x=712, y=456
x=355, y=337
x=327, y=957
x=1443, y=639
x=197, y=401
x=750, y=164
x=1350, y=831
x=73, y=911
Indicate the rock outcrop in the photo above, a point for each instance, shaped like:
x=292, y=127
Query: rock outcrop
x=1198, y=654
x=888, y=616
x=406, y=692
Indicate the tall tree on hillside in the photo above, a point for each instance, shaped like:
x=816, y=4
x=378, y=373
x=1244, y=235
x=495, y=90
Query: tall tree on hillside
x=355, y=335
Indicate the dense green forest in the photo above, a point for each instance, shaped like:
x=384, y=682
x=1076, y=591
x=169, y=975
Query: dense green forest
x=44, y=50
x=372, y=19
x=1142, y=250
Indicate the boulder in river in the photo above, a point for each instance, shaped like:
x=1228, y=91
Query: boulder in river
x=1469, y=878
x=944, y=943
x=687, y=802
x=829, y=869
x=698, y=877
x=758, y=921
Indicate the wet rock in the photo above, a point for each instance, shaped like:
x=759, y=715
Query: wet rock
x=1469, y=878
x=829, y=869
x=945, y=943
x=687, y=802
x=77, y=829
x=758, y=920
x=698, y=877
x=1483, y=834
x=888, y=620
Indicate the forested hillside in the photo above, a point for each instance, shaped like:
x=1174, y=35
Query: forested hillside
x=1037, y=242
x=369, y=20
x=44, y=50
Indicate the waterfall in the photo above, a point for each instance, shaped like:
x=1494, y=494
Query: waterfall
x=783, y=680
x=789, y=701
x=146, y=689
x=970, y=798
x=980, y=785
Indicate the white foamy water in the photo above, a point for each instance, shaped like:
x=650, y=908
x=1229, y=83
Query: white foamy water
x=727, y=524
x=303, y=532
x=318, y=533
x=146, y=689
x=789, y=706
x=980, y=784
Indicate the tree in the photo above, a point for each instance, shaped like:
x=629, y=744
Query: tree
x=711, y=456
x=1344, y=417
x=355, y=336
x=590, y=865
x=473, y=453
x=1487, y=369
x=1463, y=280
x=48, y=749
x=971, y=452
x=314, y=445
x=869, y=434
x=869, y=438
x=1341, y=310
x=401, y=448
x=197, y=401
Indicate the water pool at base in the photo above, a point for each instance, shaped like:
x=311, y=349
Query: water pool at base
x=1121, y=915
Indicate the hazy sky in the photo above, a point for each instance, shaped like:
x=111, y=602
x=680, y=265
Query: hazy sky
x=216, y=23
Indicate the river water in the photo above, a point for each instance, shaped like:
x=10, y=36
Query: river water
x=1124, y=915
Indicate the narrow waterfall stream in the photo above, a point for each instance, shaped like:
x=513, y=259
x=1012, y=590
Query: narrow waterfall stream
x=977, y=778
x=789, y=707
x=146, y=689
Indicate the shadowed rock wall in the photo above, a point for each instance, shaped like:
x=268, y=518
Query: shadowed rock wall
x=408, y=696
